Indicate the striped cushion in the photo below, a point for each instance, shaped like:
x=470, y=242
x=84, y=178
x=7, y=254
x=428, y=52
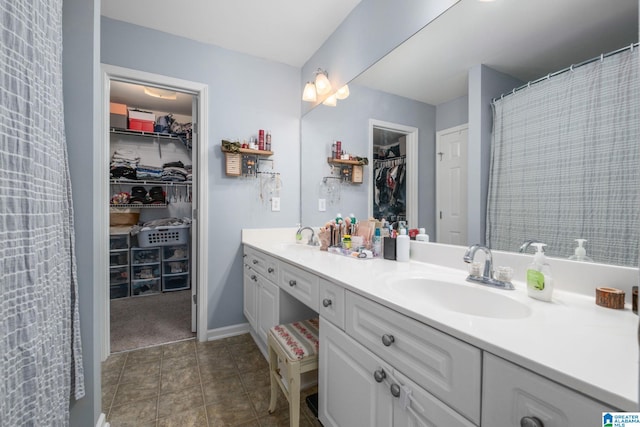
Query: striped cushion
x=299, y=339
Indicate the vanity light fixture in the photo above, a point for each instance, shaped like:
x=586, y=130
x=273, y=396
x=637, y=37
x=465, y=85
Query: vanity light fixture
x=331, y=101
x=343, y=92
x=309, y=93
x=160, y=93
x=323, y=85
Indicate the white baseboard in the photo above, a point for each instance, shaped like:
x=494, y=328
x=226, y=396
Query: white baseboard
x=228, y=331
x=102, y=421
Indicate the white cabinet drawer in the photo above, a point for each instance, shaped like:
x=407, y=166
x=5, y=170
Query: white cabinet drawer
x=510, y=393
x=444, y=366
x=301, y=284
x=423, y=409
x=262, y=263
x=332, y=302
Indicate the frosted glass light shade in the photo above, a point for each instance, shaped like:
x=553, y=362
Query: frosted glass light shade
x=323, y=86
x=331, y=101
x=343, y=92
x=309, y=93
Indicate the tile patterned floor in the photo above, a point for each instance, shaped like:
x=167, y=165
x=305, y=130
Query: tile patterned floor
x=214, y=384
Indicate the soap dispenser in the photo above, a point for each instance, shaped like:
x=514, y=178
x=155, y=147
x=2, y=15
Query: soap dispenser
x=580, y=252
x=539, y=280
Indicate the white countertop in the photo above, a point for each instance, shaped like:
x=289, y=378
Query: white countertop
x=571, y=340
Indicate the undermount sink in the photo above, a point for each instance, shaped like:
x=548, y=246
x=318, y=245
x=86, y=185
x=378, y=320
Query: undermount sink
x=461, y=298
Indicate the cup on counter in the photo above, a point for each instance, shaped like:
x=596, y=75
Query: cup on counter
x=356, y=241
x=504, y=274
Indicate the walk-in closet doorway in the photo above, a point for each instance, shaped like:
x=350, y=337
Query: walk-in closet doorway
x=153, y=271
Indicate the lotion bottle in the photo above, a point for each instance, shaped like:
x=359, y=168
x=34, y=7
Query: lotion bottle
x=402, y=246
x=539, y=279
x=422, y=236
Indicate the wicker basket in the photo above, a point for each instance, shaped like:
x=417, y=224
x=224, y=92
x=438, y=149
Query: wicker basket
x=120, y=217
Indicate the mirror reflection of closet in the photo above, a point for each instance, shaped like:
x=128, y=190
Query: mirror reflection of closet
x=389, y=175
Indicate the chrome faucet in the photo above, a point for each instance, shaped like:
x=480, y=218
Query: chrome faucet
x=525, y=245
x=312, y=240
x=487, y=275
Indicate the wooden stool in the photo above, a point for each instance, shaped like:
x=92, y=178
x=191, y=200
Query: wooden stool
x=296, y=345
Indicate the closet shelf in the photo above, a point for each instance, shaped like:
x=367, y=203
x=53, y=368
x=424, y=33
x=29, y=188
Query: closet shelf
x=140, y=206
x=151, y=182
x=145, y=134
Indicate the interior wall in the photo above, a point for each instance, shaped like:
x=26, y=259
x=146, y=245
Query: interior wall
x=484, y=84
x=81, y=80
x=245, y=94
x=349, y=123
x=372, y=29
x=452, y=113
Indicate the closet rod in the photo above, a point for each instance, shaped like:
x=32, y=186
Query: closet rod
x=570, y=68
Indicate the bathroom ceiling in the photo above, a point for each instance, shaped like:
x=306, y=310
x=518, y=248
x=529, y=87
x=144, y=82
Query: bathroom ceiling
x=287, y=31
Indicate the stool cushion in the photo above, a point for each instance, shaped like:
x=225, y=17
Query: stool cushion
x=298, y=339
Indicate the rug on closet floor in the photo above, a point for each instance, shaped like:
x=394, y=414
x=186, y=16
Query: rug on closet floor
x=139, y=322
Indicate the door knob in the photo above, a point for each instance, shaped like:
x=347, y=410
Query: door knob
x=395, y=390
x=270, y=270
x=292, y=282
x=530, y=422
x=255, y=261
x=388, y=339
x=379, y=375
x=326, y=302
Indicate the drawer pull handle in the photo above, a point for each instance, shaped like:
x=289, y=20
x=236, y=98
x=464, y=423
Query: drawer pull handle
x=255, y=261
x=379, y=375
x=254, y=278
x=395, y=390
x=270, y=270
x=387, y=340
x=326, y=302
x=530, y=422
x=292, y=282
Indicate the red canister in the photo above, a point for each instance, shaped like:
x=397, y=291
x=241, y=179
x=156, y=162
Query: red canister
x=261, y=139
x=338, y=149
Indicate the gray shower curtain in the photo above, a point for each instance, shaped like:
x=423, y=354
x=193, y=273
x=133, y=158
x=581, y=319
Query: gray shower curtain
x=40, y=349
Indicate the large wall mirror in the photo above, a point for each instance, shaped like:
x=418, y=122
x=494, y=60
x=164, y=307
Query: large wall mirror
x=423, y=84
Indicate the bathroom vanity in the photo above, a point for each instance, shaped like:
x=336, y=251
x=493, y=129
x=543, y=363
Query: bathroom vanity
x=411, y=344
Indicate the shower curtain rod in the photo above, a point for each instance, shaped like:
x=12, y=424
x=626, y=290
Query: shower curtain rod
x=570, y=68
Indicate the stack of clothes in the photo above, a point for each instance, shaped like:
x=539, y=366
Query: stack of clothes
x=174, y=172
x=150, y=173
x=124, y=164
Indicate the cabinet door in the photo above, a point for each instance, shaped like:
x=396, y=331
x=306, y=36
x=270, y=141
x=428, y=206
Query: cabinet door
x=510, y=393
x=250, y=297
x=349, y=395
x=444, y=366
x=268, y=307
x=423, y=409
x=332, y=302
x=301, y=284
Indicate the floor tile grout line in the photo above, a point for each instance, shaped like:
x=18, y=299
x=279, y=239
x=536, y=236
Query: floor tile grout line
x=204, y=403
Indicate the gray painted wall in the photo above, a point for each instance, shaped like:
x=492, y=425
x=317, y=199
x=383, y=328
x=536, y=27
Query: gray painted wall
x=452, y=113
x=484, y=85
x=349, y=123
x=80, y=71
x=245, y=94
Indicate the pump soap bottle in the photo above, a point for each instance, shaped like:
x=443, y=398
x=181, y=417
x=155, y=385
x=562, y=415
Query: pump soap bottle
x=539, y=280
x=580, y=252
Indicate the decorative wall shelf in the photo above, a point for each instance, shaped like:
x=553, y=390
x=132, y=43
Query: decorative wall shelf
x=243, y=161
x=350, y=170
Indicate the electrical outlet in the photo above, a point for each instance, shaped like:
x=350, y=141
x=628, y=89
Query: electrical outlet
x=275, y=204
x=322, y=205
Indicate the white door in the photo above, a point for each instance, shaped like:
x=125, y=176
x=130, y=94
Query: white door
x=349, y=391
x=194, y=217
x=451, y=185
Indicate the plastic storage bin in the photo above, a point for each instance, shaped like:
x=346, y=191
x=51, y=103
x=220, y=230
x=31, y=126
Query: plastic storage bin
x=164, y=236
x=175, y=282
x=119, y=275
x=119, y=291
x=145, y=256
x=119, y=258
x=145, y=287
x=118, y=241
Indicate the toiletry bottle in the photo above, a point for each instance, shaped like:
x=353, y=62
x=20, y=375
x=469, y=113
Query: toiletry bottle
x=422, y=236
x=580, y=252
x=402, y=246
x=539, y=280
x=377, y=243
x=267, y=141
x=353, y=220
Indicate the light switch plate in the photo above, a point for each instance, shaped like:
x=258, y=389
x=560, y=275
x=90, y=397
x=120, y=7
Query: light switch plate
x=275, y=204
x=322, y=205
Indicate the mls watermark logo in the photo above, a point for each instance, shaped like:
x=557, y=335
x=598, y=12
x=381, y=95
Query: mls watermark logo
x=620, y=419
